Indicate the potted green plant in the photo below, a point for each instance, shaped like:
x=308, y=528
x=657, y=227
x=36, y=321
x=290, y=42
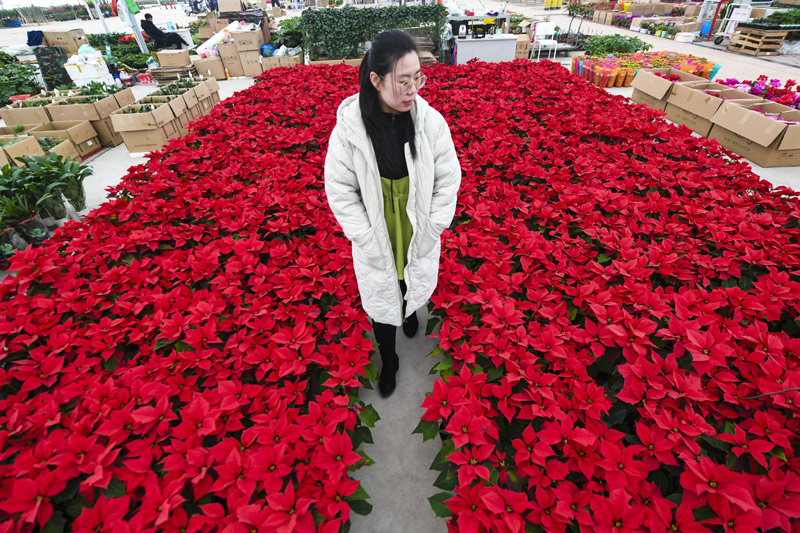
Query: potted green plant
x=645, y=28
x=672, y=32
x=661, y=29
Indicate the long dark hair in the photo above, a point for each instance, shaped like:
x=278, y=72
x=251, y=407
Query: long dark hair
x=387, y=48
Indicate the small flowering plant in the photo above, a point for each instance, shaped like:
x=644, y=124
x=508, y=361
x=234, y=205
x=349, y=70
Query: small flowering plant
x=787, y=93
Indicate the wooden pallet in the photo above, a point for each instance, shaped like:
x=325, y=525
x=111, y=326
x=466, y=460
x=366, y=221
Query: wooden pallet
x=757, y=42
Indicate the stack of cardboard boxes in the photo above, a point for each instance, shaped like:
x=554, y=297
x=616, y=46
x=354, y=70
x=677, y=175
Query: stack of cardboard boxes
x=738, y=121
x=82, y=123
x=148, y=125
x=242, y=57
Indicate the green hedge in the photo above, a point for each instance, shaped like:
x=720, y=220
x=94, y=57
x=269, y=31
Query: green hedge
x=339, y=33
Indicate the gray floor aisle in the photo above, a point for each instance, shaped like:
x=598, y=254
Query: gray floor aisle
x=400, y=481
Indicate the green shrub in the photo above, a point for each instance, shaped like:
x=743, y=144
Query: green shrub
x=341, y=33
x=600, y=45
x=289, y=34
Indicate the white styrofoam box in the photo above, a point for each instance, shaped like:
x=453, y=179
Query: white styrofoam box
x=685, y=37
x=90, y=69
x=108, y=78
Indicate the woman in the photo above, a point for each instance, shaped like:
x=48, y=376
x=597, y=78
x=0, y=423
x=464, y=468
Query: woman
x=392, y=177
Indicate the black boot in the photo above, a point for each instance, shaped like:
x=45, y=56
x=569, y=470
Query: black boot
x=411, y=325
x=385, y=335
x=387, y=382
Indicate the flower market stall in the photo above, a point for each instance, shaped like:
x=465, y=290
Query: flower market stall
x=616, y=316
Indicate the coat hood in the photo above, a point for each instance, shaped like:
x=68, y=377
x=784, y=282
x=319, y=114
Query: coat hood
x=348, y=116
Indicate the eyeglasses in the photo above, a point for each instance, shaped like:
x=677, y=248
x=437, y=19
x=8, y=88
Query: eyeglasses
x=405, y=86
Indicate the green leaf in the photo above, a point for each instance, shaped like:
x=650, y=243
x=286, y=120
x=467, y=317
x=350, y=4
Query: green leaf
x=111, y=364
x=181, y=346
x=75, y=507
x=446, y=480
x=436, y=352
x=116, y=489
x=443, y=366
x=359, y=494
x=368, y=461
x=361, y=507
x=160, y=343
x=428, y=429
x=495, y=373
x=371, y=372
x=432, y=323
x=55, y=524
x=361, y=434
x=369, y=416
x=603, y=258
x=440, y=509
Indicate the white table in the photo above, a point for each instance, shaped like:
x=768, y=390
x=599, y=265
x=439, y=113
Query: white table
x=187, y=36
x=492, y=49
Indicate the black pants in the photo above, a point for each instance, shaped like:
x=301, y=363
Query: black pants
x=173, y=39
x=386, y=334
x=276, y=3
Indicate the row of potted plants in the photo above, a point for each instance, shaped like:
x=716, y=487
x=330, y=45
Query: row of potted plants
x=659, y=30
x=36, y=198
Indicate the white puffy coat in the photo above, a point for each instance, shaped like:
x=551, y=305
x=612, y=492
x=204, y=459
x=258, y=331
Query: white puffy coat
x=353, y=187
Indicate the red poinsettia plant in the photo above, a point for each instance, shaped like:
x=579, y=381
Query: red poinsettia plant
x=617, y=315
x=190, y=358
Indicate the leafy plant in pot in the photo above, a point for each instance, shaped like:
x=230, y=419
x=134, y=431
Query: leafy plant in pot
x=10, y=242
x=68, y=174
x=18, y=209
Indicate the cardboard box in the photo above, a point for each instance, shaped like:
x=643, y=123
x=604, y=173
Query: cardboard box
x=17, y=113
x=70, y=40
x=210, y=67
x=151, y=139
x=251, y=62
x=291, y=61
x=11, y=131
x=327, y=62
x=22, y=146
x=270, y=62
x=212, y=85
x=190, y=98
x=596, y=16
x=202, y=90
x=125, y=97
x=761, y=139
x=248, y=40
x=230, y=59
x=174, y=58
x=653, y=90
x=692, y=11
x=219, y=24
x=176, y=103
x=205, y=32
x=66, y=149
x=689, y=104
x=145, y=119
x=75, y=131
x=640, y=9
x=229, y=6
x=353, y=62
x=689, y=27
x=106, y=134
x=81, y=108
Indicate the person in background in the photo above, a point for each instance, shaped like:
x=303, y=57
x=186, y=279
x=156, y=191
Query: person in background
x=159, y=36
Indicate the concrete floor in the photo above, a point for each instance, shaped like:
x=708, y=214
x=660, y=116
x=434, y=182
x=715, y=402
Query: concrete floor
x=400, y=482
